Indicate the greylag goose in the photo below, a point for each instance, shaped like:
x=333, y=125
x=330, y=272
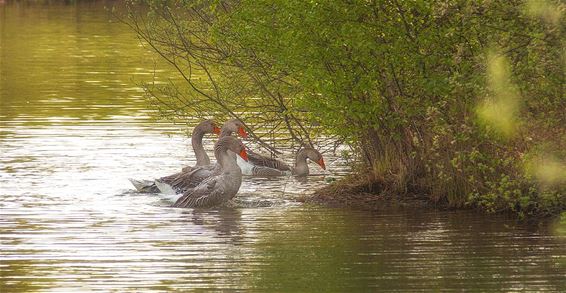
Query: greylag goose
x=256, y=159
x=301, y=167
x=206, y=126
x=220, y=187
x=263, y=161
x=192, y=176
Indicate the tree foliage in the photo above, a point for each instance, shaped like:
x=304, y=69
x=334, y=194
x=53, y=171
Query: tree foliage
x=463, y=100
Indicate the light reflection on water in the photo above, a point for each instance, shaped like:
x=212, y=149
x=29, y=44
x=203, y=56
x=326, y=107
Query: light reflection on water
x=73, y=129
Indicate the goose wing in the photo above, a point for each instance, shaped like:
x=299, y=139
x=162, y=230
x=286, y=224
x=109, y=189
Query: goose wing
x=264, y=161
x=268, y=172
x=209, y=193
x=182, y=181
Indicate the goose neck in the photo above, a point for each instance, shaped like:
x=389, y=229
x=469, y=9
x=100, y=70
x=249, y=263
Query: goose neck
x=301, y=166
x=225, y=158
x=200, y=153
x=225, y=132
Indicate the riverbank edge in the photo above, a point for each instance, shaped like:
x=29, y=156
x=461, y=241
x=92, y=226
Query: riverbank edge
x=374, y=196
x=371, y=196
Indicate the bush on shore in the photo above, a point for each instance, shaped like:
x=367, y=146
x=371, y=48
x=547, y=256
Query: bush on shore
x=461, y=100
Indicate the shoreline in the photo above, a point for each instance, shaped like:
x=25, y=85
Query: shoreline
x=369, y=196
x=374, y=197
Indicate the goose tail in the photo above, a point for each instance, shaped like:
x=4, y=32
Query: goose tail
x=145, y=186
x=164, y=188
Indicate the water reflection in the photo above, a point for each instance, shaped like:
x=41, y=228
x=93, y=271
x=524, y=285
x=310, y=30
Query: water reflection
x=72, y=130
x=225, y=221
x=349, y=251
x=67, y=62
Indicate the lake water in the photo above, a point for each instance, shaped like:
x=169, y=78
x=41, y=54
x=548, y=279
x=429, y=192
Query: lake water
x=74, y=127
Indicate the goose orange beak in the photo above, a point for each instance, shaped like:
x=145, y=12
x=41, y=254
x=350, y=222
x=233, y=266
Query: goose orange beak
x=244, y=155
x=216, y=130
x=242, y=132
x=321, y=163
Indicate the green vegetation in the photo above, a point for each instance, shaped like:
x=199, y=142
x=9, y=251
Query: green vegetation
x=461, y=100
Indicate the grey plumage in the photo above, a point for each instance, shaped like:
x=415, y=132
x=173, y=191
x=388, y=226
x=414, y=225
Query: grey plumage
x=220, y=187
x=300, y=169
x=145, y=186
x=190, y=177
x=263, y=161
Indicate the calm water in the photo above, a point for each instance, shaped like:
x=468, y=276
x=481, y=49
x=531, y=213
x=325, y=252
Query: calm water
x=74, y=128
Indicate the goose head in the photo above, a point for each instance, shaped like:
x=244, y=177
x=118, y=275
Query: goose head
x=315, y=156
x=230, y=143
x=305, y=154
x=234, y=125
x=208, y=126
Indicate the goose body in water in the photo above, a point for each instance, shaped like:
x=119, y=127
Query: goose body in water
x=301, y=166
x=221, y=187
x=264, y=161
x=205, y=127
x=192, y=176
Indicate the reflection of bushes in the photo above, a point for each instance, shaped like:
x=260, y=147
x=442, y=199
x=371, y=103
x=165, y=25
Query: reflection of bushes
x=448, y=98
x=69, y=64
x=24, y=276
x=413, y=250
